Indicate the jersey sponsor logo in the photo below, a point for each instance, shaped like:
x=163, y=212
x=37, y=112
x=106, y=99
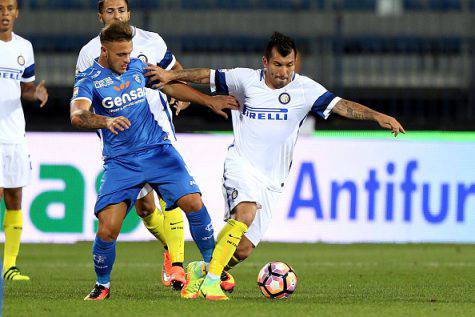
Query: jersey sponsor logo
x=105, y=82
x=284, y=98
x=122, y=86
x=10, y=73
x=128, y=99
x=21, y=60
x=271, y=114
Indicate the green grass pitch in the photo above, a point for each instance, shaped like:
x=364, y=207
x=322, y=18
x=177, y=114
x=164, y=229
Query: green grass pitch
x=334, y=280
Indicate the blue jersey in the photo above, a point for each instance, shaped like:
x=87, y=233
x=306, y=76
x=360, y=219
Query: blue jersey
x=114, y=95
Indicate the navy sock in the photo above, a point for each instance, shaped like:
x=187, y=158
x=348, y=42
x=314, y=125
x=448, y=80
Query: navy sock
x=104, y=256
x=202, y=232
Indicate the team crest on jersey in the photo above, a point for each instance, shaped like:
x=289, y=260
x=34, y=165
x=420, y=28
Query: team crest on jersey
x=234, y=194
x=284, y=98
x=137, y=78
x=143, y=58
x=21, y=60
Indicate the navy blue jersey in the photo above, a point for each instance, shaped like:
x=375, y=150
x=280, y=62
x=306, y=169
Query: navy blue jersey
x=114, y=95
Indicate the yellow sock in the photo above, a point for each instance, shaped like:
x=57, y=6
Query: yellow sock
x=228, y=240
x=154, y=224
x=12, y=226
x=175, y=234
x=163, y=204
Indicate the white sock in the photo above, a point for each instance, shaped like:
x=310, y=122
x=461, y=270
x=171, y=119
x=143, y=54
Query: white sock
x=213, y=277
x=107, y=285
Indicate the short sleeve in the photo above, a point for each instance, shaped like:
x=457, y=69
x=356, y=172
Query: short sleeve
x=83, y=62
x=229, y=81
x=83, y=88
x=319, y=98
x=29, y=72
x=166, y=59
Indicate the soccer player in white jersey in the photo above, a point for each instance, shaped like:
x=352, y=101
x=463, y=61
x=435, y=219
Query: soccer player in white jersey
x=167, y=226
x=17, y=80
x=274, y=101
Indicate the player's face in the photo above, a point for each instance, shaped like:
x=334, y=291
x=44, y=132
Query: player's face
x=113, y=11
x=280, y=69
x=9, y=13
x=118, y=55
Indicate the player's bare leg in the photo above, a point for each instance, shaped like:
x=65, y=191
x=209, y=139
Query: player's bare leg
x=12, y=225
x=228, y=241
x=104, y=248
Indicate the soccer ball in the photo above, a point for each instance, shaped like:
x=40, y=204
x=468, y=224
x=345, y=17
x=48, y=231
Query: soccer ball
x=277, y=280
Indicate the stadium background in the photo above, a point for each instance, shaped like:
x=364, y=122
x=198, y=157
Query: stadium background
x=413, y=59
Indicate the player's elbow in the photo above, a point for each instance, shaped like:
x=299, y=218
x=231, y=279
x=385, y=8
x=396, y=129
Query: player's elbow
x=75, y=119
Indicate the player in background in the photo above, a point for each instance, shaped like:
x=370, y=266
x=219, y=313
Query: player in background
x=274, y=102
x=136, y=149
x=17, y=80
x=167, y=226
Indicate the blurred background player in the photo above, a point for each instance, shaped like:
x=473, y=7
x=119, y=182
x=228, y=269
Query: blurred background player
x=136, y=149
x=274, y=102
x=166, y=226
x=17, y=77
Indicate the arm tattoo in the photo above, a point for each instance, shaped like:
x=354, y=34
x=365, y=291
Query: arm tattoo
x=195, y=75
x=87, y=120
x=353, y=110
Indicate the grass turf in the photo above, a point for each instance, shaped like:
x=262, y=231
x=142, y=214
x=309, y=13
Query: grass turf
x=334, y=280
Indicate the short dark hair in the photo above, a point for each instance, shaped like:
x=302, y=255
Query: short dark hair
x=284, y=45
x=116, y=32
x=100, y=5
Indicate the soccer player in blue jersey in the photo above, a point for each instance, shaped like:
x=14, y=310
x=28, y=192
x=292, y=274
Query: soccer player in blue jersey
x=136, y=150
x=151, y=48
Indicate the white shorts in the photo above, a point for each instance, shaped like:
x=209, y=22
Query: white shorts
x=240, y=184
x=15, y=165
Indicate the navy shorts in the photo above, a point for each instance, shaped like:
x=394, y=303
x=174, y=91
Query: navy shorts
x=162, y=167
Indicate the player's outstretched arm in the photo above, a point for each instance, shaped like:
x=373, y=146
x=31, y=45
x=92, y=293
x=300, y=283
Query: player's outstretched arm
x=82, y=118
x=356, y=111
x=177, y=104
x=217, y=104
x=163, y=77
x=32, y=93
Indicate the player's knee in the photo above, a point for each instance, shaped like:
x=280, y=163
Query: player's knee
x=144, y=209
x=12, y=197
x=245, y=213
x=190, y=203
x=107, y=233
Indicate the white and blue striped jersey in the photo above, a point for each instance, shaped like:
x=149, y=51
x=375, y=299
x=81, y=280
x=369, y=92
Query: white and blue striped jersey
x=17, y=65
x=266, y=126
x=150, y=48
